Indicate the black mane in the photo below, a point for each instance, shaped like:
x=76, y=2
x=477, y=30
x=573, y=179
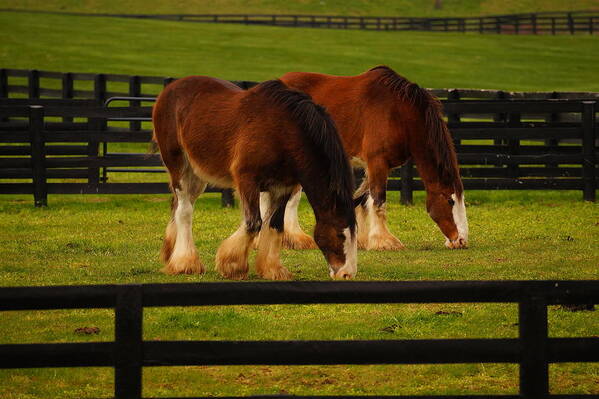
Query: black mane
x=319, y=128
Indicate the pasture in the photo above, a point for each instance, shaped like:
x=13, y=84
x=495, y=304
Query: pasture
x=156, y=48
x=459, y=8
x=115, y=239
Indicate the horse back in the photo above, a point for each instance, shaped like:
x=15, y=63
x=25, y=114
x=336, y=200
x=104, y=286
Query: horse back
x=362, y=113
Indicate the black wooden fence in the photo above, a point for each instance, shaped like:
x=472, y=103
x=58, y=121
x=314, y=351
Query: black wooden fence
x=529, y=23
x=509, y=142
x=533, y=350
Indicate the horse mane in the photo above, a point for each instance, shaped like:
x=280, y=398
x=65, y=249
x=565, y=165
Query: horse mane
x=318, y=127
x=438, y=137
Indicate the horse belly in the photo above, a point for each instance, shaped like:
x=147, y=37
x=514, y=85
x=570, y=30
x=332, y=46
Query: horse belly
x=212, y=166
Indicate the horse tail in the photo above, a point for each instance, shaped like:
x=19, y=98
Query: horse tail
x=153, y=145
x=318, y=127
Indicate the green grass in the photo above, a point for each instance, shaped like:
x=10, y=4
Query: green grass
x=111, y=45
x=116, y=239
x=336, y=7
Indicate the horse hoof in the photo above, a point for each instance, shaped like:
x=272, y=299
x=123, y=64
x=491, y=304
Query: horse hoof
x=362, y=243
x=233, y=273
x=279, y=273
x=232, y=269
x=298, y=241
x=190, y=264
x=384, y=243
x=460, y=243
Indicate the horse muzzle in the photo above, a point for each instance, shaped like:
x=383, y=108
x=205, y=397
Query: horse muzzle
x=342, y=274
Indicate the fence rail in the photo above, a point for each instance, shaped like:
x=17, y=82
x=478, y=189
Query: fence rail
x=529, y=23
x=533, y=350
x=505, y=154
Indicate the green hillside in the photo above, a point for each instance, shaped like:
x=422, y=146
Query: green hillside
x=346, y=7
x=146, y=47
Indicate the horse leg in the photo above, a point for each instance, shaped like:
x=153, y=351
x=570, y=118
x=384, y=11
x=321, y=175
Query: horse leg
x=379, y=237
x=293, y=236
x=232, y=254
x=178, y=250
x=268, y=262
x=363, y=223
x=170, y=235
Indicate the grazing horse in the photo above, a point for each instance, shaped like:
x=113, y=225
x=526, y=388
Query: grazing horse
x=384, y=120
x=267, y=139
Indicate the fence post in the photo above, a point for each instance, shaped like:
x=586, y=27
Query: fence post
x=588, y=150
x=570, y=23
x=454, y=95
x=552, y=25
x=67, y=91
x=3, y=83
x=93, y=152
x=534, y=368
x=38, y=155
x=227, y=198
x=407, y=184
x=168, y=81
x=100, y=88
x=534, y=23
x=135, y=91
x=501, y=117
x=3, y=88
x=514, y=145
x=33, y=81
x=128, y=318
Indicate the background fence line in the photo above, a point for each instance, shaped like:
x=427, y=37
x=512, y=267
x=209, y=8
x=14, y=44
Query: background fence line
x=552, y=23
x=533, y=350
x=513, y=143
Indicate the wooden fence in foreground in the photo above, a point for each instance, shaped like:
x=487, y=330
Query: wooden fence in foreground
x=533, y=350
x=547, y=23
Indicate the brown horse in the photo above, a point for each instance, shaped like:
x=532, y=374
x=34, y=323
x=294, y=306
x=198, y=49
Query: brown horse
x=384, y=120
x=268, y=139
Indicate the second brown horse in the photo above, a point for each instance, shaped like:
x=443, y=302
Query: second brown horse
x=384, y=120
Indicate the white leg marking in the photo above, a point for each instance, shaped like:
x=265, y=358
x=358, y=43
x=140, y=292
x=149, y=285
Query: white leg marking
x=184, y=245
x=379, y=236
x=461, y=222
x=294, y=237
x=350, y=249
x=291, y=218
x=264, y=203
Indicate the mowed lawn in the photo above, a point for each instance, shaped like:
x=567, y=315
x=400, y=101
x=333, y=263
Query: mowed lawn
x=116, y=239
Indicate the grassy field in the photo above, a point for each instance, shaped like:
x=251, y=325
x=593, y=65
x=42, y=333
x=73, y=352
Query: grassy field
x=338, y=7
x=115, y=239
x=112, y=45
